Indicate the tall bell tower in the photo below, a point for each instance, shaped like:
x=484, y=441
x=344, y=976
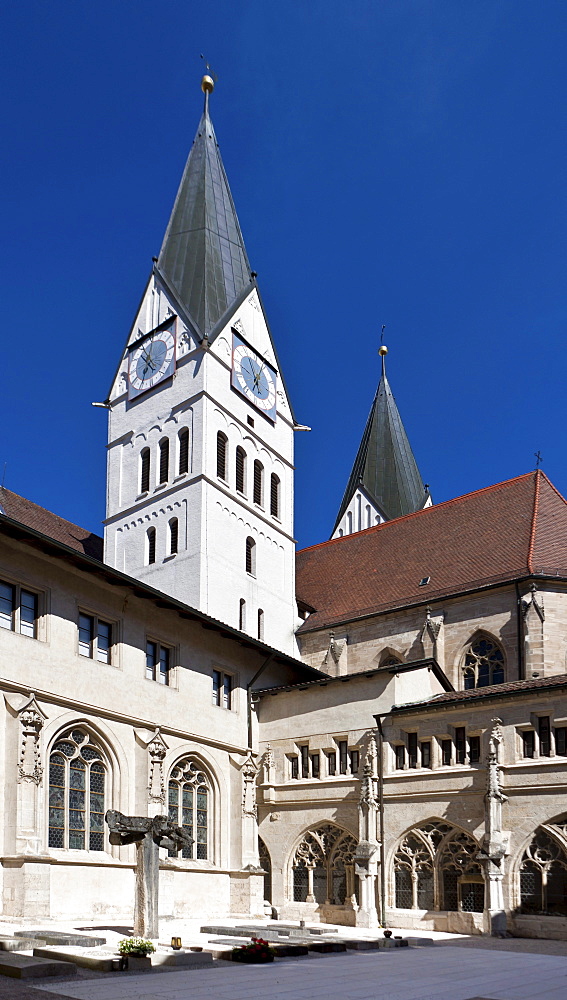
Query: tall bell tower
x=200, y=439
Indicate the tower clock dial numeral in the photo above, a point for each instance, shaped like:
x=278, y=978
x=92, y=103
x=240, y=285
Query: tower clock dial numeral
x=152, y=361
x=254, y=377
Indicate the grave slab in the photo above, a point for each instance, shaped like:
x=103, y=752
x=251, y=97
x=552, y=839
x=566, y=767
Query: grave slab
x=26, y=967
x=63, y=938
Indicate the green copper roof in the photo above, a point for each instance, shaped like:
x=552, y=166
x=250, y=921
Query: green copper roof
x=203, y=257
x=384, y=465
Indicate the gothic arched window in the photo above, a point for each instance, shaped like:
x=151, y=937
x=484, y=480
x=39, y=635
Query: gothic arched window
x=435, y=867
x=323, y=866
x=483, y=664
x=189, y=803
x=77, y=778
x=543, y=875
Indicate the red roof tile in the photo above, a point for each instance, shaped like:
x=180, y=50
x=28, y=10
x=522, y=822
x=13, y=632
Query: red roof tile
x=33, y=516
x=496, y=534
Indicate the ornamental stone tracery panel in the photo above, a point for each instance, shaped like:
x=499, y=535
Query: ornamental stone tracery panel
x=436, y=868
x=323, y=866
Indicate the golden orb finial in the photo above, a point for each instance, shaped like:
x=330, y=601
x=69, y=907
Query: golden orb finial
x=207, y=84
x=382, y=350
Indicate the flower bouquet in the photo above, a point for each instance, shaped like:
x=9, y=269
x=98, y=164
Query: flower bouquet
x=257, y=951
x=135, y=946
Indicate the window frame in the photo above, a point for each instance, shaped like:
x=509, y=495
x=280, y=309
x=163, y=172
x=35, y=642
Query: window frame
x=173, y=529
x=156, y=668
x=145, y=471
x=15, y=613
x=93, y=641
x=258, y=483
x=250, y=557
x=151, y=545
x=102, y=760
x=183, y=441
x=275, y=496
x=222, y=455
x=240, y=464
x=163, y=464
x=223, y=689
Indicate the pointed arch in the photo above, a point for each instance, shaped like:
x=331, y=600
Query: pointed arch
x=542, y=870
x=322, y=865
x=266, y=864
x=435, y=867
x=193, y=795
x=482, y=661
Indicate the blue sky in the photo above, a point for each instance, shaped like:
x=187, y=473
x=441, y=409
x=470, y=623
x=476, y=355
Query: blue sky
x=392, y=161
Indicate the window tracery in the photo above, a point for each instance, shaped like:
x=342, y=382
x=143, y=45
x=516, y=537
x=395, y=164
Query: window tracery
x=323, y=866
x=543, y=875
x=189, y=804
x=435, y=867
x=77, y=779
x=483, y=664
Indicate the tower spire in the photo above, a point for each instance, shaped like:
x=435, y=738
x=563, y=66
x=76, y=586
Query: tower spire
x=203, y=259
x=385, y=481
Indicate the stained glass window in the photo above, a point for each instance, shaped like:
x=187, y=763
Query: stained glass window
x=189, y=806
x=77, y=778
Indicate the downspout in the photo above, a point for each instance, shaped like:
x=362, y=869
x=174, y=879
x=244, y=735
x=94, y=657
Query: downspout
x=381, y=819
x=265, y=664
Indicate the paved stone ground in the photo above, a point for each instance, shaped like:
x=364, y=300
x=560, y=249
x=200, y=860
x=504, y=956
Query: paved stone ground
x=446, y=972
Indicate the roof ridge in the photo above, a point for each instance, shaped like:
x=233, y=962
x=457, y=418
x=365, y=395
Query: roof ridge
x=534, y=521
x=424, y=510
x=553, y=487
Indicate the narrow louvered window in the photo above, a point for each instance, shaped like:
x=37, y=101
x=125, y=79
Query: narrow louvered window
x=274, y=495
x=261, y=625
x=242, y=615
x=240, y=469
x=251, y=556
x=164, y=460
x=183, y=450
x=258, y=483
x=145, y=470
x=221, y=455
x=151, y=543
x=173, y=535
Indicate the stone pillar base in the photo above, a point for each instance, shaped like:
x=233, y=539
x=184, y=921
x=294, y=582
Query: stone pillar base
x=246, y=894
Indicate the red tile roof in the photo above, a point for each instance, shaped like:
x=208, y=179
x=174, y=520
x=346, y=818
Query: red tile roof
x=33, y=516
x=449, y=698
x=500, y=533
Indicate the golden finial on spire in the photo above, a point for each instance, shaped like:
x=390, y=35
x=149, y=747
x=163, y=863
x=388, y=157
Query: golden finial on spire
x=382, y=350
x=207, y=84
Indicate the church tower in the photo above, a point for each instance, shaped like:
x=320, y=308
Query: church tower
x=200, y=442
x=385, y=482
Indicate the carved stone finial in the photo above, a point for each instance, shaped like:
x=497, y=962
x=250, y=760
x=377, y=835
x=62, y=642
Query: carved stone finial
x=157, y=749
x=249, y=772
x=31, y=722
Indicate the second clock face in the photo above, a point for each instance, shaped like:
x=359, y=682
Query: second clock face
x=151, y=361
x=253, y=377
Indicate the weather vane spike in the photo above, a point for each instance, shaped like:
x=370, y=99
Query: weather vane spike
x=538, y=458
x=383, y=350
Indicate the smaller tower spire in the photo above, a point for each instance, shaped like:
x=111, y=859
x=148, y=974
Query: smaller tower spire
x=385, y=481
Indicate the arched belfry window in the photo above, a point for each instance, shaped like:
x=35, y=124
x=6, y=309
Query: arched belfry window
x=436, y=868
x=222, y=442
x=275, y=495
x=77, y=780
x=483, y=663
x=145, y=464
x=543, y=872
x=251, y=556
x=240, y=470
x=258, y=483
x=189, y=802
x=323, y=866
x=164, y=460
x=183, y=440
x=173, y=536
x=150, y=546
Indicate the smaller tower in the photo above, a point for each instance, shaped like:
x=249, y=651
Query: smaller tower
x=385, y=481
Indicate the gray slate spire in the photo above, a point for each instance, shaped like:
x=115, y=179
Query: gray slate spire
x=384, y=465
x=203, y=258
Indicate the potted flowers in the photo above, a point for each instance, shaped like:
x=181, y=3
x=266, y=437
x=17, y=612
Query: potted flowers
x=257, y=951
x=137, y=950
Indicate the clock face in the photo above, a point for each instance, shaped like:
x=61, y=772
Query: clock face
x=253, y=377
x=151, y=361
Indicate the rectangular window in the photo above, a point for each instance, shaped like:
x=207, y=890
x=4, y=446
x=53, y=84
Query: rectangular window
x=18, y=609
x=426, y=754
x=412, y=749
x=474, y=749
x=315, y=765
x=446, y=752
x=222, y=689
x=158, y=663
x=332, y=763
x=460, y=745
x=304, y=751
x=561, y=741
x=400, y=752
x=95, y=638
x=528, y=743
x=294, y=761
x=354, y=761
x=343, y=756
x=544, y=736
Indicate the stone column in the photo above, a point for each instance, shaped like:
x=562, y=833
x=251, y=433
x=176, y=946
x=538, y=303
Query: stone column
x=30, y=776
x=495, y=843
x=534, y=616
x=366, y=854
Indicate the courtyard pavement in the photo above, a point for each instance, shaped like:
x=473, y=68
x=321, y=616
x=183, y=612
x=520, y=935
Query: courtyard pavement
x=436, y=972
